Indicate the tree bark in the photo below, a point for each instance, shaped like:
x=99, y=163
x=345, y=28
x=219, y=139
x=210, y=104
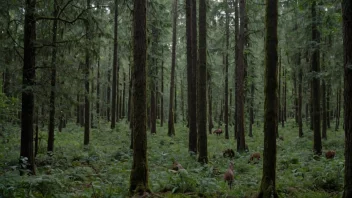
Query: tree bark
x=323, y=89
x=139, y=180
x=86, y=84
x=268, y=183
x=210, y=101
x=236, y=64
x=240, y=80
x=347, y=45
x=191, y=34
x=171, y=126
x=202, y=84
x=53, y=81
x=300, y=81
x=317, y=146
x=28, y=81
x=115, y=70
x=162, y=91
x=226, y=108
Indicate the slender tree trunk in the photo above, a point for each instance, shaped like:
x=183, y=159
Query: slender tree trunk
x=162, y=91
x=338, y=108
x=53, y=81
x=236, y=65
x=28, y=81
x=86, y=84
x=191, y=33
x=240, y=80
x=226, y=118
x=114, y=70
x=152, y=107
x=328, y=89
x=347, y=44
x=36, y=140
x=202, y=84
x=285, y=96
x=283, y=111
x=323, y=89
x=171, y=126
x=251, y=116
x=108, y=97
x=139, y=180
x=123, y=114
x=98, y=86
x=279, y=88
x=300, y=82
x=268, y=183
x=175, y=100
x=210, y=102
x=317, y=146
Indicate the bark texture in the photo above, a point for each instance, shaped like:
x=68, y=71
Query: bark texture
x=268, y=183
x=139, y=180
x=347, y=45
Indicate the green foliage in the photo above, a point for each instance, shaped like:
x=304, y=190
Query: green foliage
x=103, y=168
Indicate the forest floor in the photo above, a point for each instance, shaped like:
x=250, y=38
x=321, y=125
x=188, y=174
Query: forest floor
x=103, y=168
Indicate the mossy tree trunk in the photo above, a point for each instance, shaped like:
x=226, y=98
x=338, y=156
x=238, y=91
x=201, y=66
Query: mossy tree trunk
x=347, y=44
x=171, y=125
x=268, y=183
x=323, y=94
x=28, y=81
x=202, y=84
x=317, y=146
x=139, y=179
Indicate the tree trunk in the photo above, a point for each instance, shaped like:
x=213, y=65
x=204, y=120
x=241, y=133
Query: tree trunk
x=347, y=44
x=171, y=127
x=279, y=88
x=53, y=81
x=123, y=114
x=162, y=91
x=300, y=81
x=210, y=103
x=86, y=84
x=226, y=116
x=236, y=64
x=268, y=183
x=191, y=34
x=115, y=71
x=251, y=117
x=323, y=89
x=202, y=84
x=328, y=89
x=338, y=107
x=139, y=180
x=108, y=97
x=316, y=84
x=98, y=86
x=240, y=80
x=28, y=81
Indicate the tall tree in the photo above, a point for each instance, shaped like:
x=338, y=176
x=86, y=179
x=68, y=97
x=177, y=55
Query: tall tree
x=236, y=64
x=28, y=81
x=86, y=81
x=347, y=46
x=315, y=83
x=191, y=60
x=114, y=70
x=240, y=73
x=139, y=180
x=227, y=27
x=171, y=126
x=268, y=183
x=53, y=80
x=202, y=84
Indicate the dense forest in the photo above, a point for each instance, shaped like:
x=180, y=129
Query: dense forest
x=176, y=98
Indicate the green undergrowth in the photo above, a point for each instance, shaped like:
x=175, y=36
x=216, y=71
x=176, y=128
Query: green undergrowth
x=102, y=169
